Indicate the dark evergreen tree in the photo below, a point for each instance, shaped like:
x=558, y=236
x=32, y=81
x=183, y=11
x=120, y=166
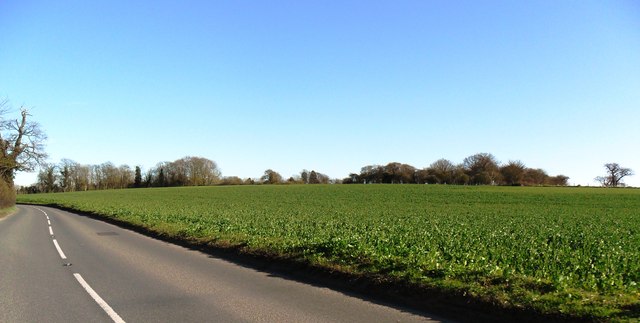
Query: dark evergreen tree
x=137, y=181
x=161, y=179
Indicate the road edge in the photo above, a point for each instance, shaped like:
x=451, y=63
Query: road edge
x=7, y=212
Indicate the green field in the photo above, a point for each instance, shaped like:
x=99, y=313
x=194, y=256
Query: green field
x=574, y=251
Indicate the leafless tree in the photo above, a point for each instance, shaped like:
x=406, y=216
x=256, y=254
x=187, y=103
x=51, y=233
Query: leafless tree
x=304, y=176
x=615, y=174
x=271, y=177
x=482, y=168
x=513, y=172
x=534, y=176
x=21, y=144
x=442, y=171
x=186, y=171
x=231, y=180
x=82, y=177
x=317, y=178
x=48, y=178
x=21, y=149
x=68, y=169
x=559, y=180
x=201, y=171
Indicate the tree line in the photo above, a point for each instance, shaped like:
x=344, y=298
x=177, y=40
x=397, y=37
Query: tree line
x=71, y=176
x=22, y=149
x=478, y=169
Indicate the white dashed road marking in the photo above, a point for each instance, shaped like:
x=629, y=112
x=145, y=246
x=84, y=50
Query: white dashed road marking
x=112, y=314
x=62, y=255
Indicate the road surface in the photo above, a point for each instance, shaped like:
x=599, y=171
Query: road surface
x=56, y=266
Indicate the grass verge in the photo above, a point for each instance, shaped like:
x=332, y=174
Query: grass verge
x=7, y=211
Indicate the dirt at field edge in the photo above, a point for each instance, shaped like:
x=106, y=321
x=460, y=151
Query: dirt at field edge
x=440, y=305
x=4, y=213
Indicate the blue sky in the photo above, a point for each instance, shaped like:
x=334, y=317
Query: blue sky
x=329, y=85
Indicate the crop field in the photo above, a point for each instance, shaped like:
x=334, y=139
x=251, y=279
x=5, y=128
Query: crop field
x=568, y=251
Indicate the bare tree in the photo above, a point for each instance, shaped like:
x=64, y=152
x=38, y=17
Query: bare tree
x=271, y=177
x=186, y=171
x=201, y=171
x=442, y=170
x=125, y=176
x=559, y=180
x=47, y=178
x=353, y=178
x=231, y=180
x=615, y=174
x=482, y=168
x=21, y=149
x=534, y=177
x=313, y=177
x=177, y=173
x=68, y=169
x=82, y=177
x=304, y=176
x=110, y=176
x=372, y=174
x=316, y=178
x=21, y=144
x=513, y=172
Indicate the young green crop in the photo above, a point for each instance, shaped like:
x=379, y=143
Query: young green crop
x=574, y=250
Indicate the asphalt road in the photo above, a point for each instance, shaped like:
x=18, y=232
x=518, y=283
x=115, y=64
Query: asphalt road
x=57, y=266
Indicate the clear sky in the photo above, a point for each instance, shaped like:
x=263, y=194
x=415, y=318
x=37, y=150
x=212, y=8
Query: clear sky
x=329, y=85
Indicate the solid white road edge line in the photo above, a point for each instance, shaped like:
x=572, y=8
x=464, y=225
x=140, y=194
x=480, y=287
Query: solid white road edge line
x=112, y=314
x=55, y=243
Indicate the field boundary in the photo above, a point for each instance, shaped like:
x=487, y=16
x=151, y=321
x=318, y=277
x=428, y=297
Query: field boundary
x=406, y=296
